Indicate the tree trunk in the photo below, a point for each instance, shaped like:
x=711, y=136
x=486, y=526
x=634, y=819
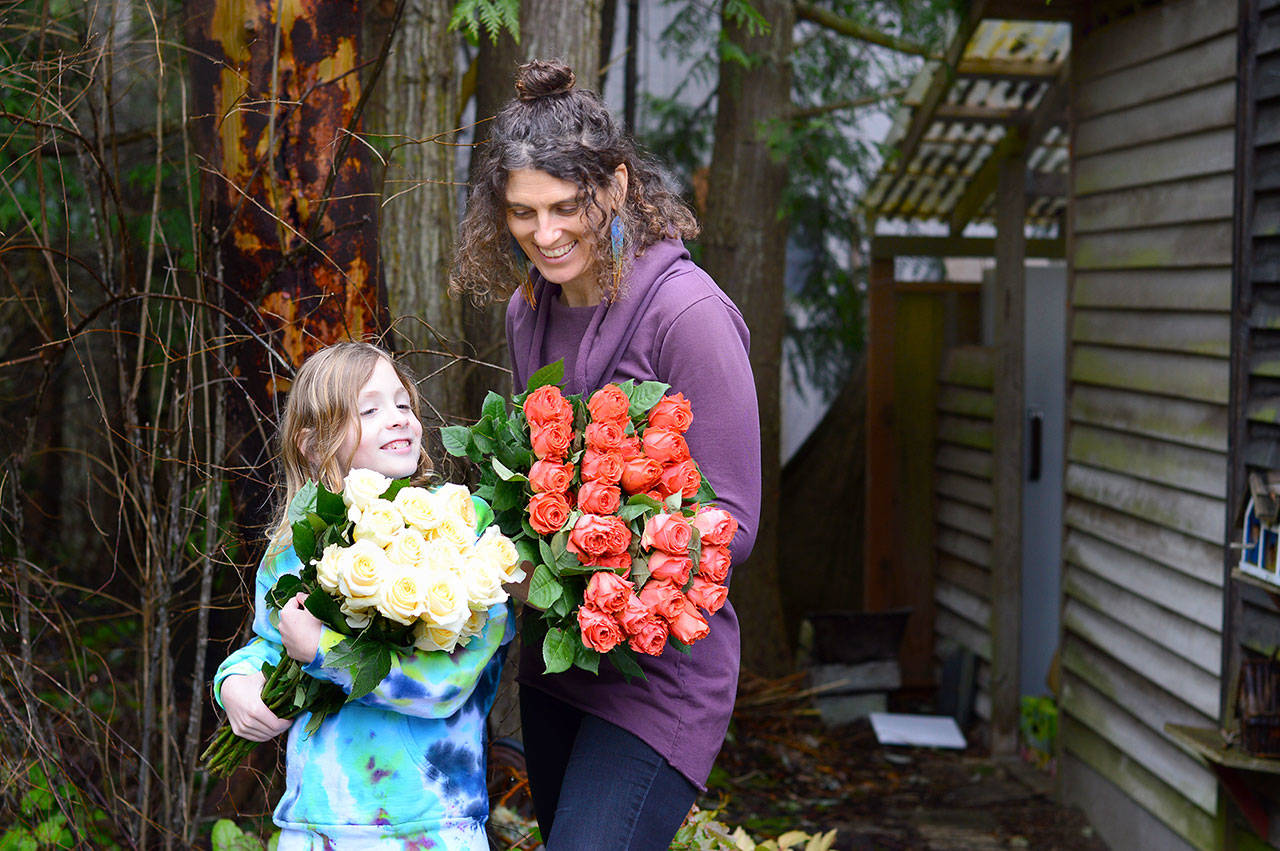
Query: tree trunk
x=745, y=251
x=288, y=217
x=415, y=111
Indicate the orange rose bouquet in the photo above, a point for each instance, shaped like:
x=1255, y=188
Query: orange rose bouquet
x=601, y=495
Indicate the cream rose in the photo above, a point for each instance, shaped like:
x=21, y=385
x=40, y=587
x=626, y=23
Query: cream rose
x=401, y=597
x=379, y=523
x=446, y=600
x=329, y=568
x=357, y=618
x=440, y=556
x=497, y=549
x=419, y=508
x=454, y=533
x=457, y=501
x=363, y=574
x=362, y=487
x=483, y=581
x=407, y=548
x=429, y=637
x=474, y=626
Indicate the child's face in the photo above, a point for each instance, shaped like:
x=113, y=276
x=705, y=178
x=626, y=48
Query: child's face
x=386, y=437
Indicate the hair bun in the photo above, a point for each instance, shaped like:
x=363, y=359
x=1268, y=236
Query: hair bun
x=543, y=78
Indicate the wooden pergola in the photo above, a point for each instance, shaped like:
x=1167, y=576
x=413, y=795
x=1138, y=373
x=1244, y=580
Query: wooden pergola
x=980, y=144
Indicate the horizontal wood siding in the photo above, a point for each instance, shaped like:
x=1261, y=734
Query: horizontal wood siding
x=1153, y=112
x=962, y=494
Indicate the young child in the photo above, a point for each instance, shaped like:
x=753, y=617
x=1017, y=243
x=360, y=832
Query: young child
x=404, y=766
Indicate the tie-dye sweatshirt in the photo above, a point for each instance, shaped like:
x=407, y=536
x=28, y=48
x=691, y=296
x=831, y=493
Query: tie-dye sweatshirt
x=401, y=768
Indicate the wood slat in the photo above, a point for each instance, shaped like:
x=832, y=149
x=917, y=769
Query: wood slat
x=1180, y=376
x=962, y=574
x=960, y=459
x=1196, y=470
x=1200, y=560
x=964, y=431
x=1200, y=646
x=1154, y=289
x=1191, y=333
x=968, y=366
x=1196, y=515
x=1194, y=199
x=958, y=515
x=1153, y=33
x=955, y=542
x=1186, y=112
x=1173, y=420
x=1152, y=705
x=961, y=603
x=964, y=633
x=1195, y=244
x=968, y=401
x=968, y=489
x=1194, y=67
x=1167, y=670
x=1211, y=152
x=1199, y=602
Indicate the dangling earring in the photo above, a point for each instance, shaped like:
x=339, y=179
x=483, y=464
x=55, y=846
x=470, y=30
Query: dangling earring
x=616, y=241
x=521, y=261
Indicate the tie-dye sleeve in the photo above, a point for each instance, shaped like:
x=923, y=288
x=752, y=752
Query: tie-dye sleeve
x=265, y=647
x=426, y=684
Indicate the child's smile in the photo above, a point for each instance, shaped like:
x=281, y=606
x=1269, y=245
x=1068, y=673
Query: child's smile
x=386, y=437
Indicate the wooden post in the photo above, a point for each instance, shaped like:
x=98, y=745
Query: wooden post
x=1007, y=456
x=880, y=554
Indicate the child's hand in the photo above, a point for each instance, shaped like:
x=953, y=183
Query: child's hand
x=249, y=716
x=299, y=630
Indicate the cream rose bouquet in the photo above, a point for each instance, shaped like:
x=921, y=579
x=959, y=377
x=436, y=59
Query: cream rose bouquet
x=599, y=492
x=391, y=566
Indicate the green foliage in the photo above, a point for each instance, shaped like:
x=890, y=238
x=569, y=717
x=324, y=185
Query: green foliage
x=228, y=836
x=52, y=813
x=493, y=16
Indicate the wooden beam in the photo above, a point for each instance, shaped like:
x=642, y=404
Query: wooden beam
x=1007, y=69
x=958, y=246
x=1007, y=453
x=880, y=537
x=979, y=114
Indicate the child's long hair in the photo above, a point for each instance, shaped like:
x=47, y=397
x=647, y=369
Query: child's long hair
x=318, y=413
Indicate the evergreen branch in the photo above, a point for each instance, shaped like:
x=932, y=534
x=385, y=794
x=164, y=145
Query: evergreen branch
x=862, y=32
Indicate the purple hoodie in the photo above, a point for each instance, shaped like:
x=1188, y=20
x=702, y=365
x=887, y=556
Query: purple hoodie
x=671, y=324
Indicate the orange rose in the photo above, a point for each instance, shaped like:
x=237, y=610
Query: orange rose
x=596, y=535
x=670, y=568
x=670, y=533
x=672, y=412
x=603, y=467
x=716, y=526
x=606, y=592
x=548, y=512
x=547, y=405
x=645, y=632
x=599, y=498
x=620, y=563
x=713, y=566
x=689, y=626
x=683, y=478
x=551, y=440
x=550, y=476
x=708, y=595
x=663, y=599
x=640, y=473
x=631, y=447
x=604, y=437
x=609, y=405
x=599, y=630
x=666, y=446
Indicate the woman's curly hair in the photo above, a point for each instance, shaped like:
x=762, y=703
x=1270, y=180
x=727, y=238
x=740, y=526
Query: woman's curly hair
x=566, y=132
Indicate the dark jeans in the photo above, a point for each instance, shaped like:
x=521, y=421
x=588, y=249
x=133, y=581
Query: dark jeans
x=595, y=786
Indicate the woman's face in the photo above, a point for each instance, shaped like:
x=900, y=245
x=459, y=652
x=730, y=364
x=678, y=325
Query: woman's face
x=554, y=229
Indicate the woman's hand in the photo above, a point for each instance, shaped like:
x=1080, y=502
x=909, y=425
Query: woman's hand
x=520, y=590
x=299, y=630
x=248, y=715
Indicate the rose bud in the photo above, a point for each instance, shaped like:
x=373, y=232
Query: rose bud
x=550, y=476
x=716, y=526
x=599, y=630
x=670, y=568
x=599, y=498
x=683, y=478
x=551, y=440
x=672, y=412
x=666, y=446
x=713, y=566
x=548, y=512
x=689, y=626
x=605, y=467
x=640, y=474
x=663, y=599
x=547, y=405
x=607, y=592
x=670, y=533
x=707, y=595
x=631, y=447
x=604, y=437
x=609, y=405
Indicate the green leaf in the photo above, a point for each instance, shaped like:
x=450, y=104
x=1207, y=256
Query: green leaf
x=507, y=495
x=327, y=609
x=394, y=488
x=528, y=549
x=640, y=570
x=557, y=650
x=678, y=644
x=552, y=373
x=546, y=552
x=705, y=493
x=631, y=512
x=507, y=474
x=624, y=659
x=286, y=586
x=647, y=501
x=568, y=565
x=483, y=443
x=695, y=547
x=544, y=588
x=329, y=506
x=304, y=541
x=494, y=406
x=455, y=439
x=225, y=832
x=368, y=663
x=563, y=606
x=586, y=658
x=303, y=502
x=672, y=503
x=646, y=396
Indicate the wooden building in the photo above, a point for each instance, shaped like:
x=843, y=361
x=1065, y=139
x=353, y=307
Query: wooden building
x=1138, y=142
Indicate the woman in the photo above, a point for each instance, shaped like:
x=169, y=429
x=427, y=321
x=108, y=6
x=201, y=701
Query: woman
x=612, y=292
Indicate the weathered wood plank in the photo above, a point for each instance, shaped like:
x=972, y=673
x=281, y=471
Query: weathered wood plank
x=1154, y=289
x=1268, y=34
x=1148, y=703
x=1177, y=592
x=968, y=489
x=1169, y=671
x=1266, y=215
x=1152, y=33
x=958, y=515
x=1266, y=162
x=1196, y=515
x=1146, y=746
x=958, y=543
x=1200, y=560
x=1148, y=120
x=960, y=459
x=1181, y=376
x=1198, y=645
x=961, y=603
x=1198, y=65
x=964, y=633
x=968, y=366
x=962, y=574
x=1190, y=200
x=1144, y=787
x=1198, y=470
x=1173, y=420
x=1192, y=333
x=965, y=431
x=1196, y=244
x=1267, y=131
x=1211, y=152
x=968, y=401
